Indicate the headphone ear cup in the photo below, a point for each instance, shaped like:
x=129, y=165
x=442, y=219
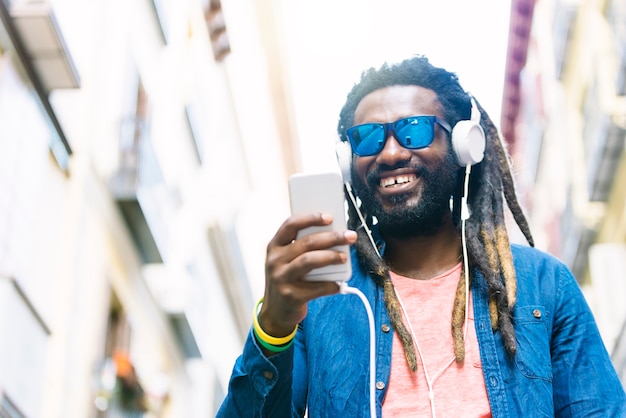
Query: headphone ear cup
x=343, y=150
x=468, y=139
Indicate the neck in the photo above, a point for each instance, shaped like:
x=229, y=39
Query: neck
x=424, y=257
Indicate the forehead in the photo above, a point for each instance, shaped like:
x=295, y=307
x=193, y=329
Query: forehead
x=394, y=102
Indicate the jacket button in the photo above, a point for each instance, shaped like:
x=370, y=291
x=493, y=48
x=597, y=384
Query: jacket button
x=537, y=313
x=268, y=375
x=380, y=385
x=386, y=328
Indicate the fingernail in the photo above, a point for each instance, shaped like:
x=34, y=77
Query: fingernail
x=349, y=234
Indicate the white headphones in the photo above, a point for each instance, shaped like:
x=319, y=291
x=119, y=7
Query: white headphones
x=468, y=139
x=468, y=142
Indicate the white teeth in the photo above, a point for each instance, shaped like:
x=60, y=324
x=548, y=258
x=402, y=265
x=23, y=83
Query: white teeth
x=390, y=181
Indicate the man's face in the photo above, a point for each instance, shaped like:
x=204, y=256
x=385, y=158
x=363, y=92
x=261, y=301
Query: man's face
x=407, y=190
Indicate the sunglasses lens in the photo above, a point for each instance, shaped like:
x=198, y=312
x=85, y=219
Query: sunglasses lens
x=367, y=139
x=415, y=132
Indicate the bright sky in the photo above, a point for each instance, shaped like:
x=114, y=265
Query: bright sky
x=332, y=41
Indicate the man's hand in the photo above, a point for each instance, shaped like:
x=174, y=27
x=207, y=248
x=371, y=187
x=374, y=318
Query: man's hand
x=288, y=261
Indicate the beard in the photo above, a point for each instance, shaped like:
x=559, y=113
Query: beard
x=404, y=220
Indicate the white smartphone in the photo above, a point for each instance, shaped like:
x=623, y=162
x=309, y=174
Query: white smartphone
x=322, y=192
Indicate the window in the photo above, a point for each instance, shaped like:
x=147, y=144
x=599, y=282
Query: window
x=565, y=17
x=195, y=132
x=159, y=14
x=119, y=392
x=8, y=408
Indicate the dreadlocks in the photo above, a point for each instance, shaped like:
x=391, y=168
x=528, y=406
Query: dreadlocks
x=491, y=183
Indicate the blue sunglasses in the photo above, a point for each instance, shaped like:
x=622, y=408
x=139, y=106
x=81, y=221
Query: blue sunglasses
x=413, y=132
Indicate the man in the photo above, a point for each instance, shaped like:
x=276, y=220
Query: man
x=521, y=342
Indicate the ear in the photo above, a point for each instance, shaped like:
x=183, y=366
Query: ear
x=468, y=139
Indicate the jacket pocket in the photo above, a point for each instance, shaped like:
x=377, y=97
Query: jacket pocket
x=533, y=357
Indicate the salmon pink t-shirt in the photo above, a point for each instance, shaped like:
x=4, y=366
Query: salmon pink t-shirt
x=459, y=389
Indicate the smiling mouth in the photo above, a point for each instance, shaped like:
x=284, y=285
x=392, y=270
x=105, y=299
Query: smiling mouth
x=397, y=180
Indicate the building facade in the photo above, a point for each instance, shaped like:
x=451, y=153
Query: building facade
x=564, y=117
x=141, y=145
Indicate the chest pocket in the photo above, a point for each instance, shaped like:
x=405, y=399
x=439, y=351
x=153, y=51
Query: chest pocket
x=533, y=357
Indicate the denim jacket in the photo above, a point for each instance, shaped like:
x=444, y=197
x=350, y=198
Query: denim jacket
x=561, y=367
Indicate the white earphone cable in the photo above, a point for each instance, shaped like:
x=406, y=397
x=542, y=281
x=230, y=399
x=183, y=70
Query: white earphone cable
x=430, y=381
x=345, y=289
x=361, y=218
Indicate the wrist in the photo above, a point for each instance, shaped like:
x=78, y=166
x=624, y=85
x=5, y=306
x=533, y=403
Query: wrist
x=276, y=329
x=272, y=343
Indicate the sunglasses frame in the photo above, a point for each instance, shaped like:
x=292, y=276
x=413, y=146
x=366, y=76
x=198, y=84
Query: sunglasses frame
x=391, y=127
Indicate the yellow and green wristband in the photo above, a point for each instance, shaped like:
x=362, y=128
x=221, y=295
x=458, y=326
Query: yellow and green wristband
x=273, y=344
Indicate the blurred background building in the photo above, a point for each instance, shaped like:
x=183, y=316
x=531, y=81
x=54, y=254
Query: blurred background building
x=564, y=117
x=144, y=151
x=132, y=202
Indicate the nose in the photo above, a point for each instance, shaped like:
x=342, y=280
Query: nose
x=392, y=152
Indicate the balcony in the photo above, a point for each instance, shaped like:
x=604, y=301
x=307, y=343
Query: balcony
x=603, y=136
x=8, y=409
x=173, y=292
x=577, y=235
x=616, y=15
x=44, y=44
x=31, y=32
x=228, y=258
x=608, y=154
x=565, y=14
x=140, y=192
